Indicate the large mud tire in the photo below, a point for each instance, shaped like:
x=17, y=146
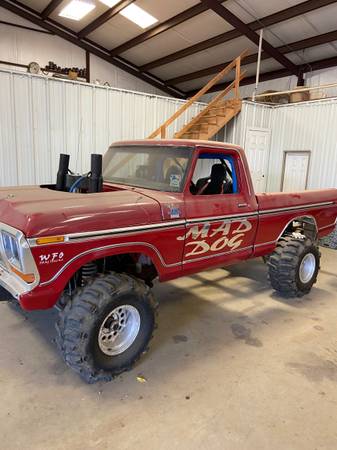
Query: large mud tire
x=293, y=266
x=79, y=328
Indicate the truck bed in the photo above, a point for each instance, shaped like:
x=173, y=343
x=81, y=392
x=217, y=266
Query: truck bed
x=280, y=200
x=319, y=207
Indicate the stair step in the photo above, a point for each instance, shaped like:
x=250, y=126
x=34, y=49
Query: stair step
x=209, y=123
x=212, y=119
x=200, y=127
x=220, y=109
x=232, y=102
x=191, y=135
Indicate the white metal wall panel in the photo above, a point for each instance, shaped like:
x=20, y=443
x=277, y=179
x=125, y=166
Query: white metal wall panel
x=251, y=116
x=25, y=150
x=43, y=117
x=310, y=126
x=40, y=129
x=8, y=159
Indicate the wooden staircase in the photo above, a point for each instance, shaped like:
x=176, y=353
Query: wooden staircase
x=216, y=114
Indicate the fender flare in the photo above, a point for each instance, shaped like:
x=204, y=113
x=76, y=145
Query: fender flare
x=304, y=219
x=64, y=274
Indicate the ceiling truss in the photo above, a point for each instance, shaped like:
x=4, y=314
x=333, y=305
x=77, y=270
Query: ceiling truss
x=267, y=21
x=244, y=29
x=284, y=49
x=113, y=57
x=87, y=45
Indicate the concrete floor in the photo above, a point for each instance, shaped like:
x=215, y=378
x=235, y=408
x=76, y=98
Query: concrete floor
x=232, y=366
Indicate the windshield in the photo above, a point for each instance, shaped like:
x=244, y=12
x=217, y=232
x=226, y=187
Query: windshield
x=152, y=167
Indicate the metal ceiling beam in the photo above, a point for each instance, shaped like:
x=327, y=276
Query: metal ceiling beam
x=24, y=27
x=272, y=19
x=158, y=29
x=50, y=8
x=284, y=49
x=244, y=29
x=95, y=49
x=103, y=18
x=275, y=74
x=321, y=64
x=246, y=81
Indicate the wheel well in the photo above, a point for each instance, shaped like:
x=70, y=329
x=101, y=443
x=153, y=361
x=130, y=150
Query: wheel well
x=138, y=265
x=304, y=224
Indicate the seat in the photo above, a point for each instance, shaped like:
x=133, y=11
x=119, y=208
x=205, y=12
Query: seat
x=214, y=184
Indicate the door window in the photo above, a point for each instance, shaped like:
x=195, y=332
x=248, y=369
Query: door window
x=213, y=175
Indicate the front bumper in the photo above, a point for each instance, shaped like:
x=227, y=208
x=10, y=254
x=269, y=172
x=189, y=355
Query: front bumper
x=12, y=284
x=6, y=296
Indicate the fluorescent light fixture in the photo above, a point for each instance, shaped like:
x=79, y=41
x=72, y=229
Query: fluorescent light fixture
x=77, y=9
x=138, y=16
x=110, y=3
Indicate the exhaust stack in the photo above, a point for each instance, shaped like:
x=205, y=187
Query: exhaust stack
x=62, y=172
x=96, y=179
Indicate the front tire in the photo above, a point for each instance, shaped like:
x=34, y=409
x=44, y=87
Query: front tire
x=106, y=326
x=293, y=266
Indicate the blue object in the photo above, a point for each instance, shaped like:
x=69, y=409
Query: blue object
x=77, y=183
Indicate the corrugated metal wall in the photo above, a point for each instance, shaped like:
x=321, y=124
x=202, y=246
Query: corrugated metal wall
x=42, y=117
x=251, y=115
x=309, y=126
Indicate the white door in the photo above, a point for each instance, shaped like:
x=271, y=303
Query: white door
x=295, y=171
x=257, y=152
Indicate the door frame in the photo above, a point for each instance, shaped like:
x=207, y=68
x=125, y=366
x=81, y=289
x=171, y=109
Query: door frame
x=285, y=153
x=269, y=130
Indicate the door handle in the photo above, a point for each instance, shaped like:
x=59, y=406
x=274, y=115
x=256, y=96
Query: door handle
x=242, y=205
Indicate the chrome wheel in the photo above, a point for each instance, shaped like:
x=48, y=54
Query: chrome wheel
x=119, y=330
x=307, y=268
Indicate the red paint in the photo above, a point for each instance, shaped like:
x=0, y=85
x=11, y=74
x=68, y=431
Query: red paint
x=184, y=249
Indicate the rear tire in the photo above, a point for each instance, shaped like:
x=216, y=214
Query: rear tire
x=106, y=326
x=293, y=266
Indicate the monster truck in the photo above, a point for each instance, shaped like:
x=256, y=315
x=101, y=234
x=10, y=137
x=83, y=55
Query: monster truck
x=92, y=245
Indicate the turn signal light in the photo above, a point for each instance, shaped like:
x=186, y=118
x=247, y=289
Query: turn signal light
x=50, y=240
x=27, y=277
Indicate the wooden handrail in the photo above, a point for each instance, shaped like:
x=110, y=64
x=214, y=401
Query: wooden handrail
x=235, y=63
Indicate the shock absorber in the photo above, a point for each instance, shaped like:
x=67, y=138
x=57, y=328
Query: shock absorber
x=89, y=270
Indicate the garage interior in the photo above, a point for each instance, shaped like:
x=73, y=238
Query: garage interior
x=232, y=365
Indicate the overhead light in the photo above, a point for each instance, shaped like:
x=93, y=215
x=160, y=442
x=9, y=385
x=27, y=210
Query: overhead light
x=110, y=3
x=77, y=9
x=138, y=16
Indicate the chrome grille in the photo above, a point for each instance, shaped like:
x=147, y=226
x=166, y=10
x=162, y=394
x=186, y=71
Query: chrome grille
x=2, y=260
x=2, y=263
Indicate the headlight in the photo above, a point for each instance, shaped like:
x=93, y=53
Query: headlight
x=11, y=249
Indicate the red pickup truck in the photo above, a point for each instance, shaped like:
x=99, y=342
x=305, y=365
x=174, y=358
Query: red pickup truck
x=92, y=245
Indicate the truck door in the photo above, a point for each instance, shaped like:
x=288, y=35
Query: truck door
x=221, y=211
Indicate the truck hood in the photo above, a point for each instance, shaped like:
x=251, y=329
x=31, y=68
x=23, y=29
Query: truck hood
x=40, y=211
